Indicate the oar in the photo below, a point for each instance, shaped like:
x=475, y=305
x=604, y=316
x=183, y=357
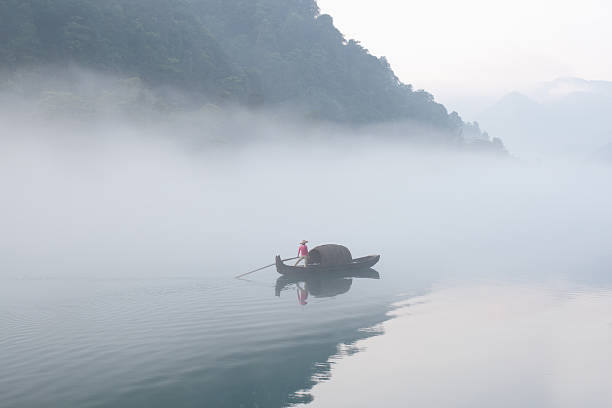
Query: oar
x=264, y=267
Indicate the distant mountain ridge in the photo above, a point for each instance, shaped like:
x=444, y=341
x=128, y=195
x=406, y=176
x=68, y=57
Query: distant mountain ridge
x=251, y=52
x=567, y=116
x=603, y=155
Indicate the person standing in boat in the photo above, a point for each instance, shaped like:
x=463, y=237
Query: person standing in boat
x=302, y=253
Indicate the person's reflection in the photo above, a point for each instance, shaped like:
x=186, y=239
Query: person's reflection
x=302, y=293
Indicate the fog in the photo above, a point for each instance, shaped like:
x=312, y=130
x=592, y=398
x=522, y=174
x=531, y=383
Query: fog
x=565, y=118
x=124, y=224
x=217, y=191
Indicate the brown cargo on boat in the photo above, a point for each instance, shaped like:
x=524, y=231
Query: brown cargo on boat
x=330, y=255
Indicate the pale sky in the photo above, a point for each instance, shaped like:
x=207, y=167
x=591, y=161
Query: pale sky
x=470, y=52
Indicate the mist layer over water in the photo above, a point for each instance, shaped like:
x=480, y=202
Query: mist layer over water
x=135, y=205
x=116, y=268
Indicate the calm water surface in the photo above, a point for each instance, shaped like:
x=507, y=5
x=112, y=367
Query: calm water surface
x=116, y=285
x=222, y=342
x=175, y=341
x=511, y=345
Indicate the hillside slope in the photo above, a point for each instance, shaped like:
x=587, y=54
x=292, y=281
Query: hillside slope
x=253, y=52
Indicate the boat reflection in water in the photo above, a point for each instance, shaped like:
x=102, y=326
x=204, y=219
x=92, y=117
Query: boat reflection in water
x=322, y=285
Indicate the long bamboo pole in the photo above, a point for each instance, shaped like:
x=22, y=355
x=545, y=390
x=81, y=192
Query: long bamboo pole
x=264, y=267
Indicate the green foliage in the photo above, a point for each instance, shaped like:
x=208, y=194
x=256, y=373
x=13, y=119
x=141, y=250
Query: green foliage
x=161, y=41
x=256, y=52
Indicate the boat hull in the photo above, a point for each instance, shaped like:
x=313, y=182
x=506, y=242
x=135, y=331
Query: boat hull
x=358, y=264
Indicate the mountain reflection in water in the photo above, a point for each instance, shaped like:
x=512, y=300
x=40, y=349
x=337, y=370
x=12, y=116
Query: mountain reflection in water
x=483, y=345
x=176, y=342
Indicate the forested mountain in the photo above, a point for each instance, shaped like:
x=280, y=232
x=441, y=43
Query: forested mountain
x=252, y=52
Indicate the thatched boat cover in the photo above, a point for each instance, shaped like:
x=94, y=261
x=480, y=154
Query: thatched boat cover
x=330, y=255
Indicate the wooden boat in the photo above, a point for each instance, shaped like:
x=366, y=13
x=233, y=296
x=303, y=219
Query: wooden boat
x=328, y=258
